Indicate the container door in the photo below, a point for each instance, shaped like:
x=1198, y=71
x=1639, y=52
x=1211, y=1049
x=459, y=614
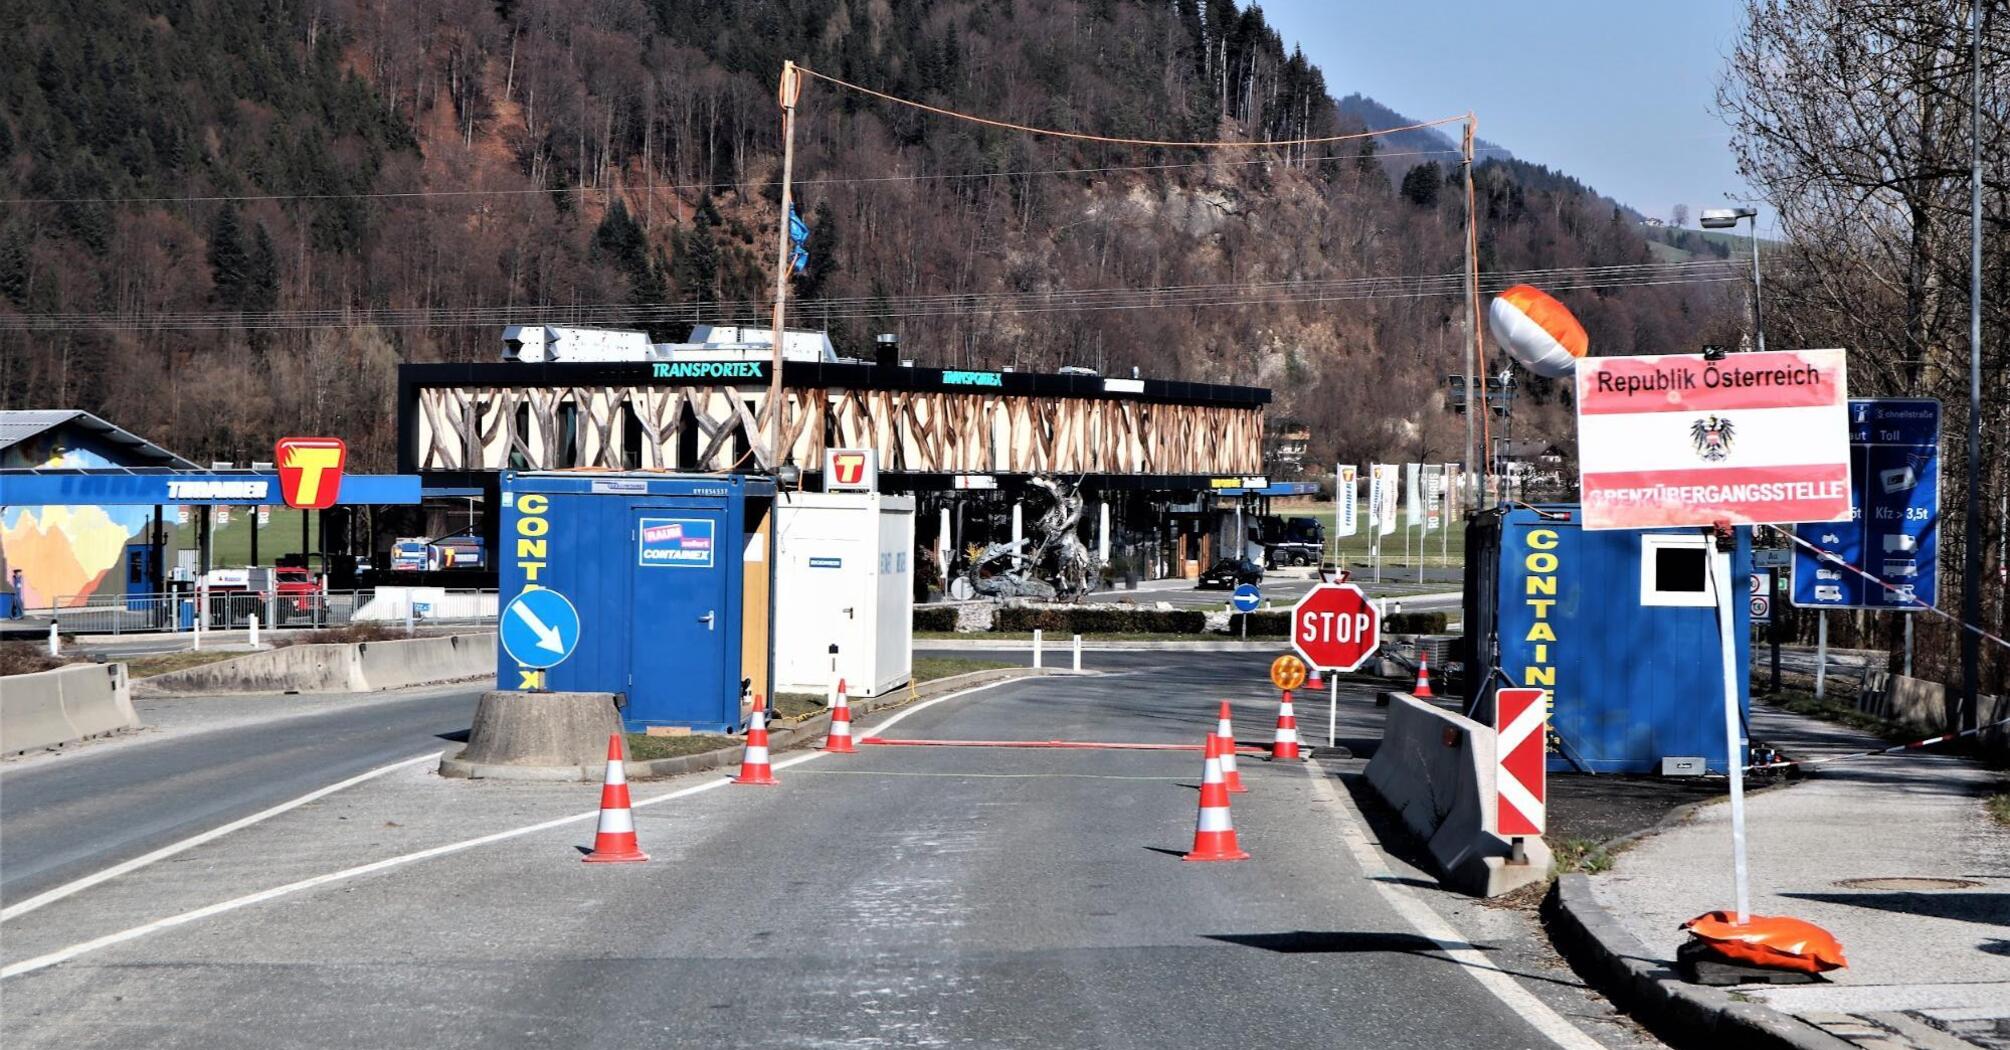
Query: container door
x=679, y=620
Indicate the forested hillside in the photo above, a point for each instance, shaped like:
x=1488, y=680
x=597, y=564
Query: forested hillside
x=231, y=219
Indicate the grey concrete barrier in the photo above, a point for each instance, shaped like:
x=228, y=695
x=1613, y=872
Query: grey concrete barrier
x=358, y=667
x=1436, y=769
x=51, y=708
x=1930, y=707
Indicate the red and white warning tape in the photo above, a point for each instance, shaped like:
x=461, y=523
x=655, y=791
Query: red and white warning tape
x=1833, y=559
x=1894, y=749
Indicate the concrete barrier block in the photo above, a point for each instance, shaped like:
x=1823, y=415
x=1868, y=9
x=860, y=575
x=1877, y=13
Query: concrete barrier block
x=31, y=713
x=417, y=661
x=330, y=668
x=560, y=731
x=98, y=700
x=1436, y=769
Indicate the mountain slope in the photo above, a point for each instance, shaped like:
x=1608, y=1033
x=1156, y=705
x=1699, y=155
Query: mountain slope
x=190, y=181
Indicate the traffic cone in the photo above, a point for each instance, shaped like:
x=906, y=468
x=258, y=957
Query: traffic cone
x=1214, y=833
x=1423, y=689
x=1226, y=731
x=1315, y=682
x=839, y=740
x=754, y=767
x=614, y=840
x=1285, y=744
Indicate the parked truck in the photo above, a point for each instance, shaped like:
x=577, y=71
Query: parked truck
x=1289, y=541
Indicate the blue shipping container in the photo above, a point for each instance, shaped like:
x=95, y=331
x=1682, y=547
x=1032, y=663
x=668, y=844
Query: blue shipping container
x=1620, y=626
x=671, y=575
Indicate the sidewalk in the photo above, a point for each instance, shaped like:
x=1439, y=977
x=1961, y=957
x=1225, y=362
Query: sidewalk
x=1929, y=960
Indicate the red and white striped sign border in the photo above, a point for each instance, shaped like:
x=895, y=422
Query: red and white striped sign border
x=1519, y=784
x=1682, y=440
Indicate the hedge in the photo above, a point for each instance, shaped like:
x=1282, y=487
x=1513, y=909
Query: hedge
x=1274, y=623
x=935, y=619
x=1101, y=621
x=1415, y=623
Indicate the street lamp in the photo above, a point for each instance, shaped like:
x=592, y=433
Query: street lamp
x=1724, y=219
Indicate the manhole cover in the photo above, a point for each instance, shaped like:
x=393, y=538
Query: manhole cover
x=1907, y=882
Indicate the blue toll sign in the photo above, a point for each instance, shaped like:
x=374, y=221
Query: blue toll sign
x=1247, y=598
x=540, y=628
x=1894, y=531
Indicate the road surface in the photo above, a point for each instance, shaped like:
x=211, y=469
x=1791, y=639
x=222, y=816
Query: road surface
x=903, y=896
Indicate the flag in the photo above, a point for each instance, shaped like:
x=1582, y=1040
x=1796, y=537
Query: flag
x=1434, y=496
x=1413, y=499
x=799, y=239
x=1382, y=498
x=1346, y=502
x=1454, y=501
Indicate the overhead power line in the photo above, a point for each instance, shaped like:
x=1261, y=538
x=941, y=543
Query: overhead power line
x=948, y=304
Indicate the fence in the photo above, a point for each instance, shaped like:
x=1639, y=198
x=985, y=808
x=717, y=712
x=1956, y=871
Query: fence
x=233, y=610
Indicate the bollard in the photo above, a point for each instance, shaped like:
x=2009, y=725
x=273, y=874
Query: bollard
x=55, y=642
x=200, y=615
x=1078, y=652
x=1036, y=647
x=251, y=622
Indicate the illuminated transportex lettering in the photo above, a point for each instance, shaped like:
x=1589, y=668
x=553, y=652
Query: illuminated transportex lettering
x=532, y=547
x=1539, y=593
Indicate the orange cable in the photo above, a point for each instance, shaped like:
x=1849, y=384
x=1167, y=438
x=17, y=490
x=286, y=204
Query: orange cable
x=1122, y=141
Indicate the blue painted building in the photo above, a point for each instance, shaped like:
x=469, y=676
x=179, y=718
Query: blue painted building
x=1620, y=626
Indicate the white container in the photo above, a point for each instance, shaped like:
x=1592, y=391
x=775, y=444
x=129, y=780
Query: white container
x=844, y=576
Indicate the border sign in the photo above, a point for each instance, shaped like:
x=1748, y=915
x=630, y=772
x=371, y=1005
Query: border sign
x=1895, y=534
x=1679, y=439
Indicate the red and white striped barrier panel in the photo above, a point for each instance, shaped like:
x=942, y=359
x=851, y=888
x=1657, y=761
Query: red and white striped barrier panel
x=1520, y=789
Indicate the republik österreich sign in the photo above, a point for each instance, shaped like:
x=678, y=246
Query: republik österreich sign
x=1680, y=440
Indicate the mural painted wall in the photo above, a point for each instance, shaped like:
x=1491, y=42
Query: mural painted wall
x=65, y=553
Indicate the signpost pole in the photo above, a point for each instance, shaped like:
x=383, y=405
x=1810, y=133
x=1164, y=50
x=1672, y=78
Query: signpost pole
x=1821, y=651
x=1773, y=635
x=1908, y=644
x=1333, y=711
x=1733, y=736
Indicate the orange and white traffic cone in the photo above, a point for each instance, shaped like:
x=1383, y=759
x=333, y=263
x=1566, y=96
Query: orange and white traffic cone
x=1285, y=743
x=1423, y=689
x=1214, y=834
x=1225, y=731
x=839, y=740
x=1315, y=682
x=614, y=840
x=754, y=767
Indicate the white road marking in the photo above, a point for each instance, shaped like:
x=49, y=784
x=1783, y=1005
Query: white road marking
x=42, y=962
x=1433, y=926
x=95, y=878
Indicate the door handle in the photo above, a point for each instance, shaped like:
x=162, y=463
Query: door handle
x=707, y=621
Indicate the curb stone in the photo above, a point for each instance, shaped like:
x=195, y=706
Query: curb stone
x=1651, y=991
x=799, y=734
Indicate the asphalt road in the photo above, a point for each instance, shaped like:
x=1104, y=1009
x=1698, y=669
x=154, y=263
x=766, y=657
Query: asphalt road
x=903, y=896
x=66, y=816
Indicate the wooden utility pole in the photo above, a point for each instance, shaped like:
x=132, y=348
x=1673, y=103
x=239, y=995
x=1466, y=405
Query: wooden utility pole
x=1475, y=386
x=791, y=88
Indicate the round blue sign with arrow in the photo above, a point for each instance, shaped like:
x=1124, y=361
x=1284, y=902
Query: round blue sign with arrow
x=1247, y=598
x=540, y=628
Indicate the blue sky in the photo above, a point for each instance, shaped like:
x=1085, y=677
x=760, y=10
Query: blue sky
x=1618, y=93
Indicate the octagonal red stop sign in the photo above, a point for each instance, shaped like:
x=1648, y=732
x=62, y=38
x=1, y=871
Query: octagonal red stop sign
x=1335, y=627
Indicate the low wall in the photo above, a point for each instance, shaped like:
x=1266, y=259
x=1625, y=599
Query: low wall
x=1436, y=769
x=335, y=668
x=50, y=708
x=1930, y=707
x=388, y=605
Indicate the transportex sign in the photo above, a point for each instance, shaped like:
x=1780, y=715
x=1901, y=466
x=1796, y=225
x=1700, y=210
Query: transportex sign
x=1682, y=440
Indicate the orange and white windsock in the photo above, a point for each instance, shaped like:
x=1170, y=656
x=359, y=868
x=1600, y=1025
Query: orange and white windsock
x=839, y=740
x=1285, y=743
x=754, y=766
x=1214, y=833
x=614, y=840
x=1537, y=331
x=1224, y=730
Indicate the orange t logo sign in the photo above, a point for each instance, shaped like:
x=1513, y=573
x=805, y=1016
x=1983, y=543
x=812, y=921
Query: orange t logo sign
x=310, y=471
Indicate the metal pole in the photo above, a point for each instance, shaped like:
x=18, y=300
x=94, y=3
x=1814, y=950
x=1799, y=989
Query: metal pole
x=1971, y=542
x=1733, y=736
x=1758, y=311
x=1821, y=651
x=1908, y=645
x=1333, y=712
x=791, y=88
x=1474, y=391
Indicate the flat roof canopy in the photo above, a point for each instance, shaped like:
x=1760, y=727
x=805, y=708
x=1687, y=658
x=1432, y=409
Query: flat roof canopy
x=154, y=486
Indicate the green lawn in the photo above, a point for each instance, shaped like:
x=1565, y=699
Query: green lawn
x=645, y=748
x=231, y=543
x=930, y=668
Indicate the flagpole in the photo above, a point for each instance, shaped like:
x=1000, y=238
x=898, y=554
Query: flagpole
x=790, y=89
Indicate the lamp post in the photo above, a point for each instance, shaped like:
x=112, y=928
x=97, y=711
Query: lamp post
x=1724, y=219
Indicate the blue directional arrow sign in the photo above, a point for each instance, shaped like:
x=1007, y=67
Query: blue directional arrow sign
x=540, y=628
x=1247, y=598
x=1894, y=531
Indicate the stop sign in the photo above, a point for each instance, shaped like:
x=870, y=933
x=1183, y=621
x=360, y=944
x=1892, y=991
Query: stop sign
x=1335, y=627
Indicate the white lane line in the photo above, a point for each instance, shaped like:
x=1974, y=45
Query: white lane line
x=42, y=962
x=1433, y=926
x=19, y=908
